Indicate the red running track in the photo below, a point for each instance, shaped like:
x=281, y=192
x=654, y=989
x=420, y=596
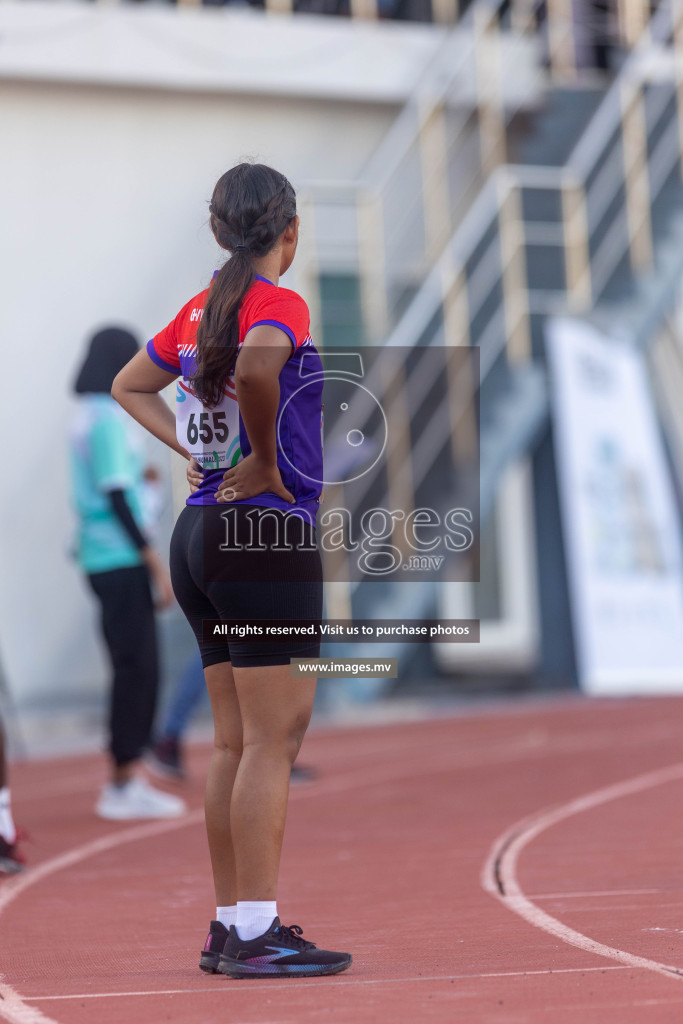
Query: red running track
x=517, y=866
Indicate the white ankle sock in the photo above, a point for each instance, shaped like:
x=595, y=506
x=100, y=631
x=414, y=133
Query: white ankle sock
x=254, y=917
x=7, y=829
x=227, y=915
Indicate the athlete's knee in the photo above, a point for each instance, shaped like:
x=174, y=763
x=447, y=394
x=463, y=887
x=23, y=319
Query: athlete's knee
x=229, y=746
x=298, y=731
x=265, y=747
x=285, y=737
x=293, y=745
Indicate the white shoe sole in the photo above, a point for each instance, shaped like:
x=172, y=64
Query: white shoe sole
x=121, y=814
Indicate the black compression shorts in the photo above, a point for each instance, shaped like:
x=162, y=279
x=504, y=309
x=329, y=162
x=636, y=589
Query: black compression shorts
x=246, y=562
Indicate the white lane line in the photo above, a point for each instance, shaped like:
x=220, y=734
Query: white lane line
x=499, y=874
x=12, y=1007
x=218, y=987
x=532, y=743
x=15, y=1011
x=602, y=892
x=15, y=886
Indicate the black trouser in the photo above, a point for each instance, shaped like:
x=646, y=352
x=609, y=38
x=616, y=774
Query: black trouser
x=129, y=630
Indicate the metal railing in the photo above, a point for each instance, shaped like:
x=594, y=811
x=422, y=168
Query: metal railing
x=596, y=218
x=605, y=194
x=426, y=175
x=390, y=224
x=621, y=26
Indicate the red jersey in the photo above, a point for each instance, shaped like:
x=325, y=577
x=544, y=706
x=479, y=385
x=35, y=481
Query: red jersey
x=216, y=437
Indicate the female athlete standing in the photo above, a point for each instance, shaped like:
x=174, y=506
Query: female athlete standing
x=248, y=411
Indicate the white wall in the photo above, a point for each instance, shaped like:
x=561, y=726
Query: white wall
x=226, y=49
x=245, y=51
x=104, y=189
x=103, y=208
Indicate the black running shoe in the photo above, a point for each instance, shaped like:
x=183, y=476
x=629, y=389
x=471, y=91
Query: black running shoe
x=213, y=947
x=279, y=952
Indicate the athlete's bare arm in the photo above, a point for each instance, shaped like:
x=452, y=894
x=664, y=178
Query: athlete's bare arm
x=263, y=353
x=136, y=388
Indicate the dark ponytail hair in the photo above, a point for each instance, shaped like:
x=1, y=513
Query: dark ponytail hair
x=250, y=208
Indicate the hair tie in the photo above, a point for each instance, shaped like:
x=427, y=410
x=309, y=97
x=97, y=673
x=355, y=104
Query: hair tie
x=241, y=248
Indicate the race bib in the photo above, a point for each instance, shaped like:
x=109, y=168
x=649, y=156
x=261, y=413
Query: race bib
x=211, y=436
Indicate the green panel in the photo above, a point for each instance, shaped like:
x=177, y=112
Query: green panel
x=340, y=309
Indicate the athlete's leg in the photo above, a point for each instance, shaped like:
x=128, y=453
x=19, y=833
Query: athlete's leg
x=275, y=711
x=189, y=692
x=216, y=580
x=225, y=759
x=187, y=571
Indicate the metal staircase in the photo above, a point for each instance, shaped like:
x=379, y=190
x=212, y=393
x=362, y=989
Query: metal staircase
x=600, y=236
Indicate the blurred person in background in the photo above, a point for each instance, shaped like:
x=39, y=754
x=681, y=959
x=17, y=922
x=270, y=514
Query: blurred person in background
x=11, y=860
x=166, y=757
x=122, y=570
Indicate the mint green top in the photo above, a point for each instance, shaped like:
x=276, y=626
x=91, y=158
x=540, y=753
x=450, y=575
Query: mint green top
x=106, y=455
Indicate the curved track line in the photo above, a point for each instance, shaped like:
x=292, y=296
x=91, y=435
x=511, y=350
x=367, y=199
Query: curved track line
x=12, y=1007
x=15, y=886
x=14, y=1010
x=532, y=743
x=499, y=874
x=287, y=985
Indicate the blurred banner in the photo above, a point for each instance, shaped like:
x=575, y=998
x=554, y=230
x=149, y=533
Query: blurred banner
x=620, y=521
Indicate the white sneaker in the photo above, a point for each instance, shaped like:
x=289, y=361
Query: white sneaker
x=137, y=799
